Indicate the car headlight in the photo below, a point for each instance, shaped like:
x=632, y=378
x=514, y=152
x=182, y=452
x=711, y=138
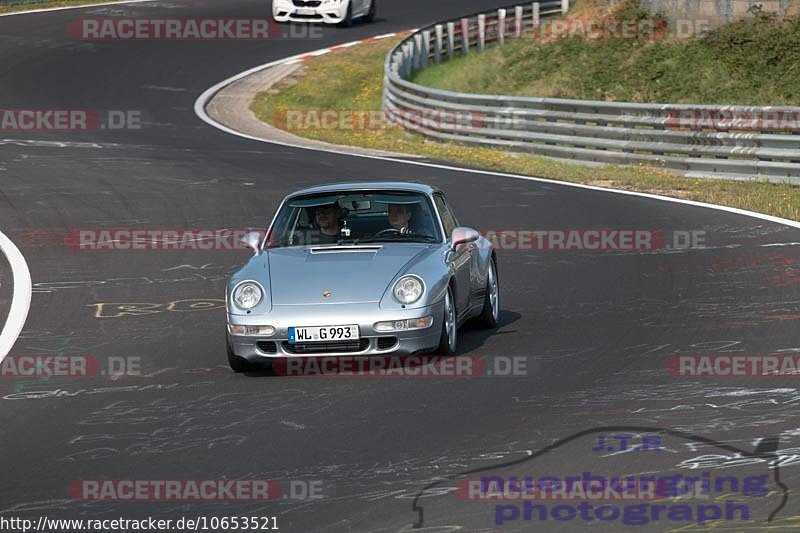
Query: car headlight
x=408, y=289
x=247, y=295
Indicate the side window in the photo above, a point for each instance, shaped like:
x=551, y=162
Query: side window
x=448, y=219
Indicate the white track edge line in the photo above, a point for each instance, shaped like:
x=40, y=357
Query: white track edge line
x=20, y=299
x=208, y=94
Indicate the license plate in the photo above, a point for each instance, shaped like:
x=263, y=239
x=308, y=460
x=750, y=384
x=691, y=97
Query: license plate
x=323, y=334
x=305, y=11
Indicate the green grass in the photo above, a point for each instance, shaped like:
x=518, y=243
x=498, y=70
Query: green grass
x=351, y=79
x=750, y=62
x=25, y=6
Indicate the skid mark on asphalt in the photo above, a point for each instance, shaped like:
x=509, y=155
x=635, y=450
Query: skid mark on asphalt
x=685, y=406
x=167, y=89
x=293, y=425
x=206, y=266
x=33, y=143
x=166, y=425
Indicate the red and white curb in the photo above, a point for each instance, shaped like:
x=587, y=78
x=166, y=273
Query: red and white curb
x=76, y=6
x=323, y=51
x=203, y=100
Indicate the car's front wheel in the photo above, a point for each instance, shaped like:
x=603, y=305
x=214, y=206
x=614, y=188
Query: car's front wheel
x=448, y=342
x=370, y=16
x=348, y=18
x=491, y=302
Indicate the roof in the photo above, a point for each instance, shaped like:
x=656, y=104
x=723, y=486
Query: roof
x=367, y=185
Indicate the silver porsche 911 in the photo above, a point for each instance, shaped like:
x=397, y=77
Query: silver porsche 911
x=360, y=269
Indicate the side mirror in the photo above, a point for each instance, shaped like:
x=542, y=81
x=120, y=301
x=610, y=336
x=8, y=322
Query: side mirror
x=462, y=235
x=252, y=240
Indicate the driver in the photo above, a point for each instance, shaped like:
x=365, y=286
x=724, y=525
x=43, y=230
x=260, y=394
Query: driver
x=400, y=218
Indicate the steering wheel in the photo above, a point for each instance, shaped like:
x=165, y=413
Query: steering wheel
x=389, y=231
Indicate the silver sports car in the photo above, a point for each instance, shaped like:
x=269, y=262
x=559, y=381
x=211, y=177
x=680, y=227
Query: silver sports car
x=360, y=269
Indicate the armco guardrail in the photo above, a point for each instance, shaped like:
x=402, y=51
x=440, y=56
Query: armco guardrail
x=697, y=140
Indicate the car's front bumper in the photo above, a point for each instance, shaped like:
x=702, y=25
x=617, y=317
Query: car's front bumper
x=326, y=13
x=266, y=348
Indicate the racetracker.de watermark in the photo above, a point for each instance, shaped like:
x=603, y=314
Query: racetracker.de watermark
x=54, y=366
x=592, y=29
x=403, y=366
x=163, y=29
x=69, y=120
x=588, y=28
x=126, y=239
x=585, y=487
x=780, y=119
x=378, y=119
x=731, y=366
x=195, y=489
x=593, y=240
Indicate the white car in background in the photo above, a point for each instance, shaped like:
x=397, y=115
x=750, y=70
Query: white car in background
x=342, y=12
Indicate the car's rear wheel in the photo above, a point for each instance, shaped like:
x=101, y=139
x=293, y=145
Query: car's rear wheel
x=448, y=342
x=348, y=18
x=370, y=16
x=238, y=364
x=491, y=303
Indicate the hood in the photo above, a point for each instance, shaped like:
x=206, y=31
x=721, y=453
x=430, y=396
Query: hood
x=352, y=274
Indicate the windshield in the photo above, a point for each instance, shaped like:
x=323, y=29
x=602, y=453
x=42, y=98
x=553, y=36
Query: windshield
x=353, y=218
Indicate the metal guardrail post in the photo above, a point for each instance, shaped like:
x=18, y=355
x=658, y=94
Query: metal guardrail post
x=518, y=21
x=419, y=51
x=451, y=39
x=426, y=48
x=536, y=14
x=564, y=6
x=408, y=55
x=401, y=67
x=465, y=35
x=481, y=32
x=501, y=26
x=414, y=56
x=396, y=60
x=437, y=47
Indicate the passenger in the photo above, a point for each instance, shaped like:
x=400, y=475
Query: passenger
x=328, y=218
x=326, y=226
